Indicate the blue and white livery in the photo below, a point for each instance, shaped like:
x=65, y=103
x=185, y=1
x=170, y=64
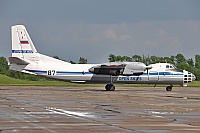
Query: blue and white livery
x=25, y=58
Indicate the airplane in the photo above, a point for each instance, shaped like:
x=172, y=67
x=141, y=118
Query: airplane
x=26, y=59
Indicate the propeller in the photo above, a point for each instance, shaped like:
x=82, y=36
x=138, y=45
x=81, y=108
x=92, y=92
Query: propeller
x=147, y=68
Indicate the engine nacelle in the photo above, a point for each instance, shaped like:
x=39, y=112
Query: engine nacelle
x=120, y=68
x=107, y=69
x=134, y=68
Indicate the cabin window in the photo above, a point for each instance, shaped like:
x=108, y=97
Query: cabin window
x=167, y=66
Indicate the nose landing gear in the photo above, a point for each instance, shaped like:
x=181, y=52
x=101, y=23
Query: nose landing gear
x=169, y=88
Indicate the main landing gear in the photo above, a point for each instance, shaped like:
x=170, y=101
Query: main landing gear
x=169, y=88
x=110, y=86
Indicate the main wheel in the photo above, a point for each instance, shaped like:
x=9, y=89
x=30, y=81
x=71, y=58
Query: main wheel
x=110, y=87
x=169, y=88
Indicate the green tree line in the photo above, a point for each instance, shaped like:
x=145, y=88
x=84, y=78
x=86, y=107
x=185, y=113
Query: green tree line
x=178, y=60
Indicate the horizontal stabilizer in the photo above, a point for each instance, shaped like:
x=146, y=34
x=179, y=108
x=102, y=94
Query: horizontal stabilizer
x=18, y=61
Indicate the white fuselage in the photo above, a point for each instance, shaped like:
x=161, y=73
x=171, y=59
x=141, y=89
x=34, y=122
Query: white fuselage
x=79, y=73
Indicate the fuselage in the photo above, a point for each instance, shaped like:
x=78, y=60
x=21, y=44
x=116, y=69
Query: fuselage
x=161, y=73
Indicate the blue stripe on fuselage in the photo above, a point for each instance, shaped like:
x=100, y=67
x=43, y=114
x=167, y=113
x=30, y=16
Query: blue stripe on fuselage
x=71, y=73
x=58, y=72
x=36, y=71
x=82, y=73
x=162, y=73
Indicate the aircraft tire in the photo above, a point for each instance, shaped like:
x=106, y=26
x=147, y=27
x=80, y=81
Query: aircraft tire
x=110, y=87
x=169, y=88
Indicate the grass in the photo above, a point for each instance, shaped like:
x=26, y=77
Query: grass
x=8, y=81
x=194, y=84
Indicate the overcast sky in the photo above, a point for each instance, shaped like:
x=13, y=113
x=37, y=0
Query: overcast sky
x=93, y=29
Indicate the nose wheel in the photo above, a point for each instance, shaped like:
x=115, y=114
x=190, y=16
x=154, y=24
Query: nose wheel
x=169, y=88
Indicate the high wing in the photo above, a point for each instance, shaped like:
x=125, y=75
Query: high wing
x=120, y=68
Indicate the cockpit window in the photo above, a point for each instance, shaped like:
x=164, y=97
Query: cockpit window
x=167, y=66
x=171, y=67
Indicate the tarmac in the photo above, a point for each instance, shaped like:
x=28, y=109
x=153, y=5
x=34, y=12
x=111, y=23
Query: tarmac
x=92, y=109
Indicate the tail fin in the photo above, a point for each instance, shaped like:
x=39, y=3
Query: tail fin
x=22, y=45
x=24, y=51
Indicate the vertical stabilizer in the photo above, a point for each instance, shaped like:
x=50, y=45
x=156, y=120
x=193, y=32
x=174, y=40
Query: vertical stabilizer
x=22, y=45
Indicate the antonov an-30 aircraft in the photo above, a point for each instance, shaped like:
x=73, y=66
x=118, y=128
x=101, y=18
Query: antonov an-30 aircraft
x=25, y=58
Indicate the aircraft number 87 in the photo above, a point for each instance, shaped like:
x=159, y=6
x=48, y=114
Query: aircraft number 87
x=51, y=72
